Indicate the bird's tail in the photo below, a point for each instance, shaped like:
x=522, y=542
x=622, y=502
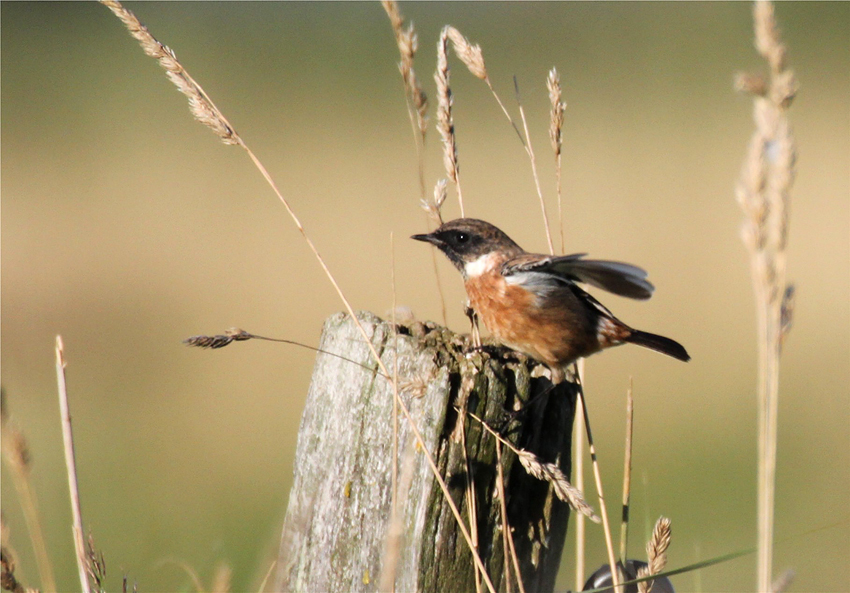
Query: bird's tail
x=659, y=344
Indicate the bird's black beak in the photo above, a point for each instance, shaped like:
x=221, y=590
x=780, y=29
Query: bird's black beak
x=427, y=239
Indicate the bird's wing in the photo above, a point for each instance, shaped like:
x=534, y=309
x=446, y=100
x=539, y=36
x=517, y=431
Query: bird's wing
x=616, y=277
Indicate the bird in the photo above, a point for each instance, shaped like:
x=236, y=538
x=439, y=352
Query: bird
x=532, y=302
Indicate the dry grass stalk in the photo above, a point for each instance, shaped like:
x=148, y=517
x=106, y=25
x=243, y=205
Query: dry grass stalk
x=469, y=54
x=443, y=314
x=473, y=58
x=530, y=151
x=433, y=207
x=262, y=586
x=433, y=211
x=597, y=476
x=627, y=473
x=445, y=123
x=415, y=97
x=548, y=472
x=508, y=547
x=469, y=480
x=234, y=334
x=556, y=127
x=394, y=478
x=200, y=104
x=578, y=471
x=551, y=473
x=95, y=563
x=467, y=385
x=763, y=192
x=408, y=43
x=17, y=456
x=417, y=107
x=394, y=533
x=206, y=112
x=503, y=511
x=656, y=553
x=119, y=10
x=71, y=466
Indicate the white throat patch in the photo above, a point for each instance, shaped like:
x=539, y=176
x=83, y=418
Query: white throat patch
x=485, y=263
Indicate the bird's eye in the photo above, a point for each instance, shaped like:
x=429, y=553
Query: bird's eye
x=462, y=237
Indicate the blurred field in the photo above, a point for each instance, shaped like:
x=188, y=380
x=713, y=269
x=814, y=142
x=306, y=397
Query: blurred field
x=127, y=227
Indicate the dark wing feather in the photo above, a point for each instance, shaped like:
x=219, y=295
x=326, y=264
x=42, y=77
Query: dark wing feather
x=616, y=277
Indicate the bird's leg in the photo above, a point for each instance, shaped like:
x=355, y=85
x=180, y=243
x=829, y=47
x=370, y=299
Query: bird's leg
x=473, y=322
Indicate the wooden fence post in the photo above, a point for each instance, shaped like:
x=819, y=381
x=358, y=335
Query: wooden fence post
x=335, y=535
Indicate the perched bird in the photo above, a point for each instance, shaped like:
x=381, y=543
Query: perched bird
x=531, y=302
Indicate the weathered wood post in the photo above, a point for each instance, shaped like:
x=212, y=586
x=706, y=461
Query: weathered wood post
x=335, y=535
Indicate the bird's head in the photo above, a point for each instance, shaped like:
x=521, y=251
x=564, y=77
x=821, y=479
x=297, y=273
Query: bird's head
x=466, y=241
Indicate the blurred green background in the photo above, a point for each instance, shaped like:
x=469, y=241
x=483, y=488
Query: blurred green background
x=126, y=227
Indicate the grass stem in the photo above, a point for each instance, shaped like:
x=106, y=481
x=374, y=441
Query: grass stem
x=71, y=467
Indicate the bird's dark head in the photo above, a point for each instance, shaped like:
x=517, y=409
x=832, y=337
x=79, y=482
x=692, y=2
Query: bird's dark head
x=466, y=241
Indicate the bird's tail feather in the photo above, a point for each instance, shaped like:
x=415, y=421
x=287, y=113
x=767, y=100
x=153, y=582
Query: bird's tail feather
x=659, y=344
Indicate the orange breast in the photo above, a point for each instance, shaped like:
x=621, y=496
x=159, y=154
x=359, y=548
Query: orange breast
x=555, y=329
